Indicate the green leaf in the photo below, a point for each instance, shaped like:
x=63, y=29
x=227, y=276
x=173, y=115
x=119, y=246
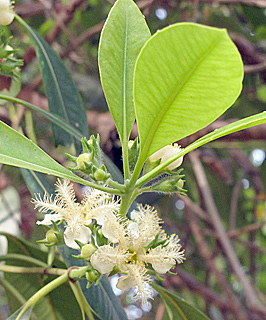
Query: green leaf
x=101, y=297
x=122, y=38
x=17, y=150
x=63, y=97
x=177, y=308
x=186, y=76
x=50, y=307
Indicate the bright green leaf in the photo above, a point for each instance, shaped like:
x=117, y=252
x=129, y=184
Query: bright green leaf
x=63, y=97
x=122, y=38
x=17, y=150
x=177, y=308
x=186, y=76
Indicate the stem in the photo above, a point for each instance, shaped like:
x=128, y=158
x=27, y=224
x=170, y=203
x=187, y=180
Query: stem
x=14, y=269
x=125, y=160
x=43, y=292
x=15, y=256
x=83, y=303
x=116, y=185
x=127, y=200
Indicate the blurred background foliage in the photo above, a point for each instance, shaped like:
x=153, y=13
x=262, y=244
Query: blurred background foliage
x=232, y=170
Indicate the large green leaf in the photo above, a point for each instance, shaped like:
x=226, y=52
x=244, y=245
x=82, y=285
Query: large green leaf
x=177, y=308
x=17, y=150
x=122, y=38
x=186, y=76
x=63, y=98
x=50, y=307
x=101, y=297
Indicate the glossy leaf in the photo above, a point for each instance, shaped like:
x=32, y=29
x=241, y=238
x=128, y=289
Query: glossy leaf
x=49, y=307
x=17, y=150
x=177, y=308
x=63, y=98
x=186, y=76
x=101, y=297
x=122, y=38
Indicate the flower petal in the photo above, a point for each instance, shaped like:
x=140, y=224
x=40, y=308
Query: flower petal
x=48, y=218
x=83, y=235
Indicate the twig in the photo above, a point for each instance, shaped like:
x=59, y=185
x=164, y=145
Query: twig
x=234, y=202
x=207, y=255
x=222, y=235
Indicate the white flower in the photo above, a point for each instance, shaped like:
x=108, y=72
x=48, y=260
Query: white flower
x=137, y=279
x=128, y=249
x=106, y=257
x=166, y=153
x=76, y=215
x=163, y=258
x=6, y=12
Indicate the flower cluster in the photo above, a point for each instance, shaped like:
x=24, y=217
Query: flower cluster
x=135, y=247
x=77, y=216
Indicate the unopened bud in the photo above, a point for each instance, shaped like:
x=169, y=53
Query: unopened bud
x=100, y=175
x=51, y=236
x=92, y=275
x=87, y=251
x=166, y=153
x=84, y=157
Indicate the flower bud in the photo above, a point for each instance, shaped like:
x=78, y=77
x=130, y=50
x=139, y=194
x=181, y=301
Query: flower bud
x=92, y=275
x=87, y=251
x=51, y=236
x=84, y=157
x=166, y=153
x=100, y=175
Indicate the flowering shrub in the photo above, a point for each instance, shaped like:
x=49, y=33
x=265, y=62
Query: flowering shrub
x=150, y=79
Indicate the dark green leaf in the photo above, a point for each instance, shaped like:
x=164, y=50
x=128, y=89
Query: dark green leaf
x=63, y=97
x=177, y=308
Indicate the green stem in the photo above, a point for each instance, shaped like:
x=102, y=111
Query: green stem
x=14, y=269
x=43, y=292
x=125, y=160
x=83, y=303
x=127, y=200
x=116, y=185
x=15, y=256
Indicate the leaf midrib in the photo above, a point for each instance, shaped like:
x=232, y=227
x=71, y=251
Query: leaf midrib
x=154, y=126
x=124, y=98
